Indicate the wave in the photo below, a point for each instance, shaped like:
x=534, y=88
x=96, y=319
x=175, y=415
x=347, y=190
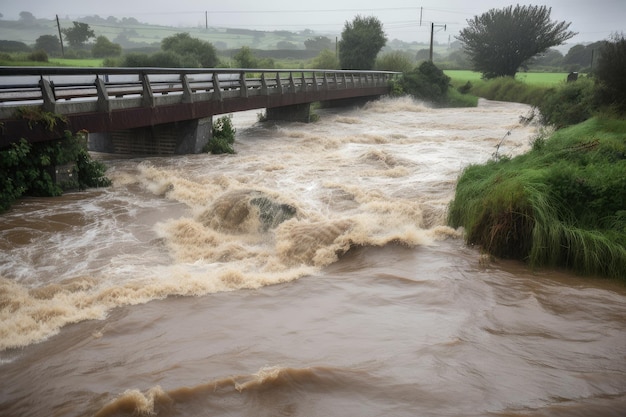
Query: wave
x=289, y=204
x=273, y=390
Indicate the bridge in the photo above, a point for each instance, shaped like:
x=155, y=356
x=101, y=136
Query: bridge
x=164, y=110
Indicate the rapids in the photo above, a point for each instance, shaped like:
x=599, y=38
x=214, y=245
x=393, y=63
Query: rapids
x=310, y=274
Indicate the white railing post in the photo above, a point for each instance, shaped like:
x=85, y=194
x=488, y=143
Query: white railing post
x=187, y=93
x=217, y=90
x=47, y=93
x=104, y=105
x=147, y=96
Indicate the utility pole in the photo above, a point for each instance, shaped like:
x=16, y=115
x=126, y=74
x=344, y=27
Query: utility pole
x=60, y=37
x=432, y=32
x=206, y=20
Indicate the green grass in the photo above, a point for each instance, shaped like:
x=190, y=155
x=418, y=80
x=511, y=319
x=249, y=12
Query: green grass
x=53, y=62
x=542, y=79
x=562, y=204
x=87, y=62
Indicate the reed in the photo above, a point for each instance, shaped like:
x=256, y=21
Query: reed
x=563, y=204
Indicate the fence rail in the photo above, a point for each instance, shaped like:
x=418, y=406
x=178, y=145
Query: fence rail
x=72, y=90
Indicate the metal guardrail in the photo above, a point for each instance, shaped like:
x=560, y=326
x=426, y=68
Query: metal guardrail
x=66, y=90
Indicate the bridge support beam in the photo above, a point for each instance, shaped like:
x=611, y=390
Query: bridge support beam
x=179, y=138
x=292, y=113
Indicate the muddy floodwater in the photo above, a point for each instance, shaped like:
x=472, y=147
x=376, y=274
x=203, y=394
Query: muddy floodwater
x=311, y=274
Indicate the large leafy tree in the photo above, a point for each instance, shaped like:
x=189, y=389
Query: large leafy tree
x=361, y=40
x=78, y=34
x=191, y=49
x=48, y=43
x=500, y=41
x=104, y=48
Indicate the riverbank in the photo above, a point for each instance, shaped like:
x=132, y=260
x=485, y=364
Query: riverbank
x=562, y=204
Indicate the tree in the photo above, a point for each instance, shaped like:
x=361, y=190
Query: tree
x=326, y=59
x=361, y=40
x=13, y=46
x=580, y=56
x=426, y=82
x=78, y=35
x=104, y=48
x=245, y=58
x=48, y=43
x=610, y=71
x=550, y=58
x=394, y=61
x=191, y=49
x=500, y=41
x=27, y=17
x=286, y=45
x=319, y=43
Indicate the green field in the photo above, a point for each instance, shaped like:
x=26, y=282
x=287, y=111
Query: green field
x=545, y=79
x=90, y=62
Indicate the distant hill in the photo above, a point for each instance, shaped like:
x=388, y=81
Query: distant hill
x=132, y=34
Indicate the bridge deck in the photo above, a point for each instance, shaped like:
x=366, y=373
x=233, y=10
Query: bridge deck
x=108, y=99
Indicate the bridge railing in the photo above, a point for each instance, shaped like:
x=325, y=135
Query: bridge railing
x=73, y=90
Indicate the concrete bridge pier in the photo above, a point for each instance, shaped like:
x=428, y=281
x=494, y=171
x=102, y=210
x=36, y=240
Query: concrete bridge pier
x=182, y=137
x=291, y=113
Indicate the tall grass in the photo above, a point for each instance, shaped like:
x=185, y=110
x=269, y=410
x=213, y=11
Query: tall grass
x=510, y=89
x=562, y=204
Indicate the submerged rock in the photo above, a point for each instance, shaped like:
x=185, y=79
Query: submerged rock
x=246, y=211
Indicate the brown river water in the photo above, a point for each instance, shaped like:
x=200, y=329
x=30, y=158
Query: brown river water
x=311, y=274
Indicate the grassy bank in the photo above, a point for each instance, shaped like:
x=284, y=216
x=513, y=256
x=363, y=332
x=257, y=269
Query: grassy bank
x=563, y=204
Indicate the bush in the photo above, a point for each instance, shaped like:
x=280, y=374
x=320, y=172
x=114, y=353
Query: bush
x=426, y=82
x=26, y=169
x=165, y=60
x=38, y=56
x=394, y=61
x=454, y=98
x=569, y=104
x=223, y=136
x=325, y=60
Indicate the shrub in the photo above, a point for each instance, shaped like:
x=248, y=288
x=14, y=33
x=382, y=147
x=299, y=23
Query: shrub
x=39, y=56
x=325, y=60
x=454, y=98
x=165, y=60
x=136, y=59
x=223, y=136
x=569, y=103
x=394, y=61
x=26, y=169
x=426, y=82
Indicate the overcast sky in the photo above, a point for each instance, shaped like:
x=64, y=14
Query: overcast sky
x=592, y=19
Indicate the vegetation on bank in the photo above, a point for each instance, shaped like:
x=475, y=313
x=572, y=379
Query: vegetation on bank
x=563, y=204
x=28, y=169
x=223, y=136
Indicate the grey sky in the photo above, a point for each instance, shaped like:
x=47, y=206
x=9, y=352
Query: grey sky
x=593, y=20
